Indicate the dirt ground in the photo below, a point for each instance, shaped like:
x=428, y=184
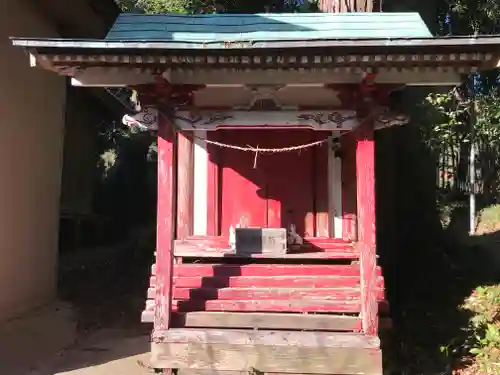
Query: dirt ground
x=47, y=343
x=94, y=328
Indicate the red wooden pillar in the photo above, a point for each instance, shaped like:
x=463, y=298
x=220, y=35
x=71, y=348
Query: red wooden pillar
x=165, y=225
x=184, y=185
x=365, y=186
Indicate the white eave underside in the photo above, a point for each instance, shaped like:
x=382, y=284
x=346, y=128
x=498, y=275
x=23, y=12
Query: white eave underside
x=413, y=61
x=122, y=77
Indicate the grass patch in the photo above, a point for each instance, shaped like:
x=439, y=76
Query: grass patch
x=481, y=346
x=476, y=350
x=489, y=220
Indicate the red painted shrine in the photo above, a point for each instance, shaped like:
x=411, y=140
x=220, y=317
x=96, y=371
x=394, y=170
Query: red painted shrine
x=266, y=246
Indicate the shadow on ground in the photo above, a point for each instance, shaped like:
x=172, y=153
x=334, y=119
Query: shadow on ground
x=107, y=288
x=429, y=270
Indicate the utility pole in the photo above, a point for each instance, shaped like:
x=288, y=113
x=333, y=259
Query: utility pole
x=472, y=166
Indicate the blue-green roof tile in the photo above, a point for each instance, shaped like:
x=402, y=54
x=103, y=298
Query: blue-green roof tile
x=266, y=27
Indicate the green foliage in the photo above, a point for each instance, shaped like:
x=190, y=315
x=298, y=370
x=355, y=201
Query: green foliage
x=476, y=16
x=482, y=339
x=484, y=303
x=193, y=6
x=162, y=6
x=215, y=6
x=449, y=119
x=488, y=118
x=451, y=122
x=446, y=120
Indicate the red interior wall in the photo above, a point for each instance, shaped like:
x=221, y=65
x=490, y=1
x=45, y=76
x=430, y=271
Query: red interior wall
x=349, y=205
x=273, y=190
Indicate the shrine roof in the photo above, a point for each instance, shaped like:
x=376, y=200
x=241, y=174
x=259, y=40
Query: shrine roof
x=266, y=27
x=266, y=41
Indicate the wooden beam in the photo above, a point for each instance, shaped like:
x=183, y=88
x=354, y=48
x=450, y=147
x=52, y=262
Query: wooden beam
x=165, y=223
x=278, y=338
x=268, y=351
x=409, y=76
x=217, y=319
x=184, y=185
x=128, y=76
x=253, y=320
x=365, y=186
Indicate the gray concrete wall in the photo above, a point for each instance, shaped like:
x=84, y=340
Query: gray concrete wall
x=31, y=142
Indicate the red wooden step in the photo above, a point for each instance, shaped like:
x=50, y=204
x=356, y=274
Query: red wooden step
x=263, y=293
x=267, y=293
x=302, y=306
x=270, y=294
x=188, y=270
x=270, y=282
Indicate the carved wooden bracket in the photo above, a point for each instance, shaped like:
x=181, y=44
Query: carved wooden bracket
x=148, y=119
x=163, y=93
x=316, y=120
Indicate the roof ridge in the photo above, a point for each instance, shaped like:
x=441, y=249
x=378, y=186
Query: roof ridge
x=341, y=14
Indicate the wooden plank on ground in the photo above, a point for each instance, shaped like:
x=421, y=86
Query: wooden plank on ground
x=268, y=351
x=268, y=338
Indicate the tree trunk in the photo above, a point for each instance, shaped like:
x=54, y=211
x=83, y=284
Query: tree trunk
x=339, y=6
